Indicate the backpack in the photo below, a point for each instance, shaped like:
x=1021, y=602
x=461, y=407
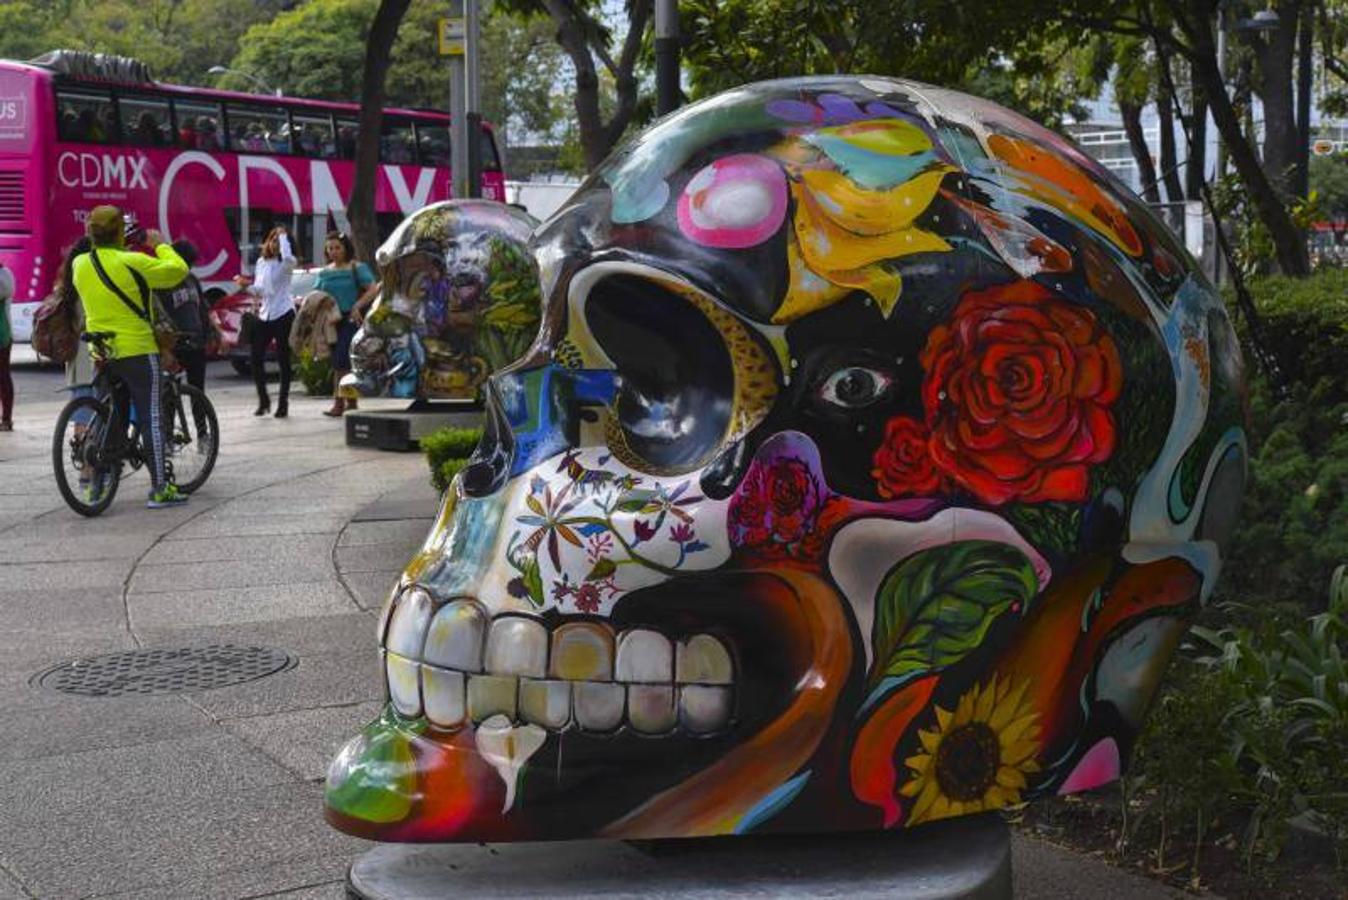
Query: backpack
x=55, y=334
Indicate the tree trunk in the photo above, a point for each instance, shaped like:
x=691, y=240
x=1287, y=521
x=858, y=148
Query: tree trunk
x=1289, y=246
x=1273, y=84
x=1165, y=114
x=1195, y=167
x=597, y=137
x=378, y=52
x=1137, y=142
x=1305, y=59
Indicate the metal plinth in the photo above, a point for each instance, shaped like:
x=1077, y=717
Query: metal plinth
x=969, y=857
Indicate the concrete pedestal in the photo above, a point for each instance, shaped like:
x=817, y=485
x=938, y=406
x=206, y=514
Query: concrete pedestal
x=969, y=857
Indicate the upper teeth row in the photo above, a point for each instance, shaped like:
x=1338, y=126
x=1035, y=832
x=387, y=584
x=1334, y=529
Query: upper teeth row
x=433, y=657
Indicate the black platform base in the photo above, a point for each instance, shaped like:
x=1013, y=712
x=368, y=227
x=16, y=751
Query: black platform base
x=969, y=857
x=402, y=429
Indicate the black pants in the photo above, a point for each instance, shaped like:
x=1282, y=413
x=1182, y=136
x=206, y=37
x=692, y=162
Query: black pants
x=193, y=362
x=263, y=334
x=142, y=377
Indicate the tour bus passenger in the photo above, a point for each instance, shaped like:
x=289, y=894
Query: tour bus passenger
x=208, y=139
x=147, y=130
x=88, y=128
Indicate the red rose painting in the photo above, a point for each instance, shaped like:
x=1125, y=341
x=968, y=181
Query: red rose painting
x=1017, y=396
x=777, y=509
x=903, y=464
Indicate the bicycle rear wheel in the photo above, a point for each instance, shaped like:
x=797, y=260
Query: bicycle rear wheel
x=85, y=475
x=193, y=441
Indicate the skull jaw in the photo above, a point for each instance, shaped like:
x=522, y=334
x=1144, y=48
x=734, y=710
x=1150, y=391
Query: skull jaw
x=400, y=781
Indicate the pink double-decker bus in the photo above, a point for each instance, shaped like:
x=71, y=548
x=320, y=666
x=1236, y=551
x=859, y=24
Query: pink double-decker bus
x=215, y=167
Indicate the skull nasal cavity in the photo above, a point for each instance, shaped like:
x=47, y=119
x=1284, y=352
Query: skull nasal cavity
x=676, y=379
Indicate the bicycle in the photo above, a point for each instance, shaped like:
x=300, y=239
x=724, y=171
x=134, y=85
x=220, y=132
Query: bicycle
x=96, y=436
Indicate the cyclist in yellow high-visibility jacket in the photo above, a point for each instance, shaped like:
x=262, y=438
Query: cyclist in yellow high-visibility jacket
x=114, y=286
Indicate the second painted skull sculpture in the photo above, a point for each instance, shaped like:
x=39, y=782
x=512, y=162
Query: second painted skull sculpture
x=874, y=452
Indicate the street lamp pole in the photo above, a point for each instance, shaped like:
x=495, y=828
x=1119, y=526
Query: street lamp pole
x=666, y=56
x=465, y=152
x=225, y=70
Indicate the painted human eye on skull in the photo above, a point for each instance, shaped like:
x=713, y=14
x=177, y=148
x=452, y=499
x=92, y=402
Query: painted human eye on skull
x=855, y=387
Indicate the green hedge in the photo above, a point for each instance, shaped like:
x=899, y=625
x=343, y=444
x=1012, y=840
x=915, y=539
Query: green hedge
x=1293, y=528
x=1306, y=325
x=447, y=451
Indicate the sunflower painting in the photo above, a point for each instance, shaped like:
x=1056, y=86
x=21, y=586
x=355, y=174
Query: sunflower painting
x=978, y=756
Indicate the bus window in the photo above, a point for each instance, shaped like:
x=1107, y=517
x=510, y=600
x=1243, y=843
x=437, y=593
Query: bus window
x=314, y=137
x=433, y=142
x=198, y=125
x=88, y=118
x=145, y=121
x=256, y=130
x=490, y=161
x=396, y=144
x=347, y=130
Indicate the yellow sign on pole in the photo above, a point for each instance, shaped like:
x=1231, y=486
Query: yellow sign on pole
x=452, y=35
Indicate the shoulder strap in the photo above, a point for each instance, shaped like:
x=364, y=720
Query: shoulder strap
x=141, y=311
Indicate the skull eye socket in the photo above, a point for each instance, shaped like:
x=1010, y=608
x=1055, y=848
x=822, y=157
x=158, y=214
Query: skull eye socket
x=855, y=387
x=676, y=379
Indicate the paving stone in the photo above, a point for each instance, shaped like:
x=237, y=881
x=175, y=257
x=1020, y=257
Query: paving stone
x=302, y=877
x=20, y=548
x=48, y=577
x=221, y=574
x=27, y=650
x=338, y=679
x=42, y=614
x=306, y=740
x=376, y=557
x=40, y=725
x=213, y=526
x=371, y=589
x=222, y=606
x=176, y=549
x=11, y=888
x=1039, y=869
x=159, y=840
x=349, y=632
x=411, y=533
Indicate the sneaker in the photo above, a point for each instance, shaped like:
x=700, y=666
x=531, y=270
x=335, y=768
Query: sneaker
x=169, y=496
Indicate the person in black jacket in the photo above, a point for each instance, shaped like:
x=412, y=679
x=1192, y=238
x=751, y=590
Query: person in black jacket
x=190, y=312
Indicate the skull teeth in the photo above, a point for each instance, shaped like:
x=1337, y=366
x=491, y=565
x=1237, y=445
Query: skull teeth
x=455, y=665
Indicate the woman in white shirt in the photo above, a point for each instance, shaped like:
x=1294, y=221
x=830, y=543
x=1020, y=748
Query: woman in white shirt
x=275, y=309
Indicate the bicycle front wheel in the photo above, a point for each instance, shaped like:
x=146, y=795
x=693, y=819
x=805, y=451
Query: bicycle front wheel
x=194, y=440
x=80, y=451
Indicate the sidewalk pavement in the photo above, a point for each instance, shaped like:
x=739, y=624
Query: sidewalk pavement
x=292, y=544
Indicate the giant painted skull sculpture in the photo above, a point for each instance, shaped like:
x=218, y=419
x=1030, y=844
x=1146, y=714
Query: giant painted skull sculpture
x=458, y=299
x=875, y=450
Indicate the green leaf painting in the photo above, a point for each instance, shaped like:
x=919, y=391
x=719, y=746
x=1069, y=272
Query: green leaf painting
x=602, y=569
x=935, y=607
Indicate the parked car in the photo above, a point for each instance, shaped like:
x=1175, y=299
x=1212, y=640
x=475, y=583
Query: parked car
x=227, y=314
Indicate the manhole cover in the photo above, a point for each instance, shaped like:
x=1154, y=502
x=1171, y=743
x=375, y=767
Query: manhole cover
x=164, y=671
